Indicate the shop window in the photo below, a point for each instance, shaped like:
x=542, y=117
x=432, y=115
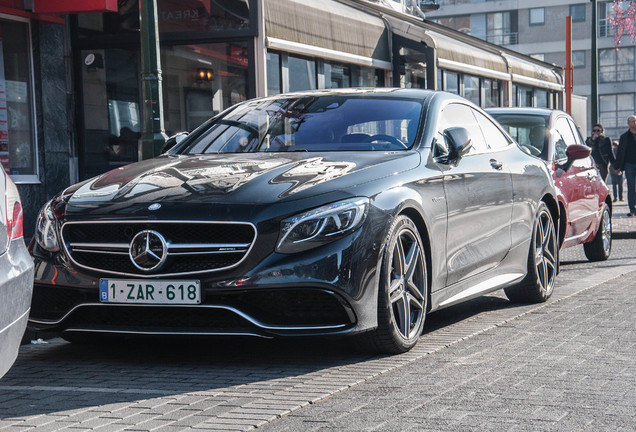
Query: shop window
x=17, y=140
x=173, y=16
x=205, y=79
x=205, y=15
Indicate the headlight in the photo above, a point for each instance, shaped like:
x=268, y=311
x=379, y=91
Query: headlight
x=46, y=229
x=322, y=225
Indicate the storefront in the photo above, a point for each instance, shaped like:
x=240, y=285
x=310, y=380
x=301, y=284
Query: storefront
x=34, y=134
x=205, y=47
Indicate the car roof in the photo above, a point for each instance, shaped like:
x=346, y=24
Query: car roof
x=389, y=92
x=524, y=110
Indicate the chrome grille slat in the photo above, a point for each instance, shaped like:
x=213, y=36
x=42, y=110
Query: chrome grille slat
x=191, y=246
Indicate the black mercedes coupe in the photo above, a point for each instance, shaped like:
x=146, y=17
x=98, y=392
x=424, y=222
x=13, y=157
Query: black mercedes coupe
x=352, y=211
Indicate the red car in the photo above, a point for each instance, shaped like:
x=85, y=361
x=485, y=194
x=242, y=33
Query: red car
x=586, y=206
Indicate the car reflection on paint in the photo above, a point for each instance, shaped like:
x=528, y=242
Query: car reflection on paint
x=584, y=199
x=16, y=274
x=348, y=212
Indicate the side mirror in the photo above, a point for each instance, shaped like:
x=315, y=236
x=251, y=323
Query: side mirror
x=460, y=142
x=577, y=151
x=574, y=152
x=173, y=141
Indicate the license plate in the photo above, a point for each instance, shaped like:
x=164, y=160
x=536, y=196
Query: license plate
x=149, y=291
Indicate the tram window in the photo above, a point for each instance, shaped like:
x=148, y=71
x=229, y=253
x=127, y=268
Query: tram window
x=490, y=93
x=302, y=74
x=541, y=97
x=337, y=75
x=525, y=97
x=366, y=77
x=471, y=88
x=451, y=82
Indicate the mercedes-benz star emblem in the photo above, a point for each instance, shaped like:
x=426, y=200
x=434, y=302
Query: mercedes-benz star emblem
x=148, y=250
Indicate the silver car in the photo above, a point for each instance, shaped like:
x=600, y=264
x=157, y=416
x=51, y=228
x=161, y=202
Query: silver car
x=16, y=274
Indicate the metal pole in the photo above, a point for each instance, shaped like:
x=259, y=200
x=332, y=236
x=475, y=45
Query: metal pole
x=154, y=135
x=594, y=113
x=568, y=65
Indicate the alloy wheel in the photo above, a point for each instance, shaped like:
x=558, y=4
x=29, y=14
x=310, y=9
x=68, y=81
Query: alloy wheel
x=407, y=282
x=545, y=252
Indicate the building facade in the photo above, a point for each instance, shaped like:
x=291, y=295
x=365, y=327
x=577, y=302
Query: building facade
x=71, y=72
x=538, y=29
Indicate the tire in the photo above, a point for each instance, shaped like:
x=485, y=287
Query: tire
x=402, y=290
x=600, y=248
x=543, y=257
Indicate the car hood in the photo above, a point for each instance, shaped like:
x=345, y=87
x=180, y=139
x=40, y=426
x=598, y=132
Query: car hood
x=237, y=179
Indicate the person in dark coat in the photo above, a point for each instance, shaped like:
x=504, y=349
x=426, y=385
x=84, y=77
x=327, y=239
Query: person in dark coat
x=601, y=149
x=617, y=176
x=626, y=162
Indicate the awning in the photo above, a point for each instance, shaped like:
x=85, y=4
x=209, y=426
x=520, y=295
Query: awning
x=327, y=29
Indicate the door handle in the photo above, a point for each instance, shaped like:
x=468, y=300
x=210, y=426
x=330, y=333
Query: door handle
x=496, y=164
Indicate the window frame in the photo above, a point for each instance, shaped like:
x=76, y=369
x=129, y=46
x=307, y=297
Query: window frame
x=536, y=23
x=579, y=65
x=614, y=66
x=579, y=7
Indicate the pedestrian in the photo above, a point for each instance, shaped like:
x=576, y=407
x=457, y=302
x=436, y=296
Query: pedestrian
x=601, y=149
x=617, y=176
x=626, y=162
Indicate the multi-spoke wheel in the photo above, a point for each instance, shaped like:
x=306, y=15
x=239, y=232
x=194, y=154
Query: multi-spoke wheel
x=543, y=263
x=403, y=291
x=600, y=248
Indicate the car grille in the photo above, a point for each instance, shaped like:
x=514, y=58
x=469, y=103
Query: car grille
x=191, y=247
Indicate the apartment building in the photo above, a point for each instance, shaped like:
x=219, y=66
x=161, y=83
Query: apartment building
x=537, y=29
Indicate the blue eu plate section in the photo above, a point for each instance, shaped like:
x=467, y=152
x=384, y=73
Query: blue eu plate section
x=103, y=290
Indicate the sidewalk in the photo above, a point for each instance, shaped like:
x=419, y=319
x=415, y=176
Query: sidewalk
x=622, y=226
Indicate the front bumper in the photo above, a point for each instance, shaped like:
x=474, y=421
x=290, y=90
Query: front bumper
x=332, y=290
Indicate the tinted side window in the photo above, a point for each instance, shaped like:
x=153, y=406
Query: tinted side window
x=458, y=115
x=494, y=138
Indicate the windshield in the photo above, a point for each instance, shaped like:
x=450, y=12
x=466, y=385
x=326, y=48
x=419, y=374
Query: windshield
x=530, y=131
x=310, y=123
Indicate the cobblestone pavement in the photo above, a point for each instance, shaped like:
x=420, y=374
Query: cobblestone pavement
x=567, y=364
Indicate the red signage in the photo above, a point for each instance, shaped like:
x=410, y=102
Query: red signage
x=74, y=6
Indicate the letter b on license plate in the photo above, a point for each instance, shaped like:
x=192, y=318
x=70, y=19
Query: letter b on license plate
x=149, y=291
